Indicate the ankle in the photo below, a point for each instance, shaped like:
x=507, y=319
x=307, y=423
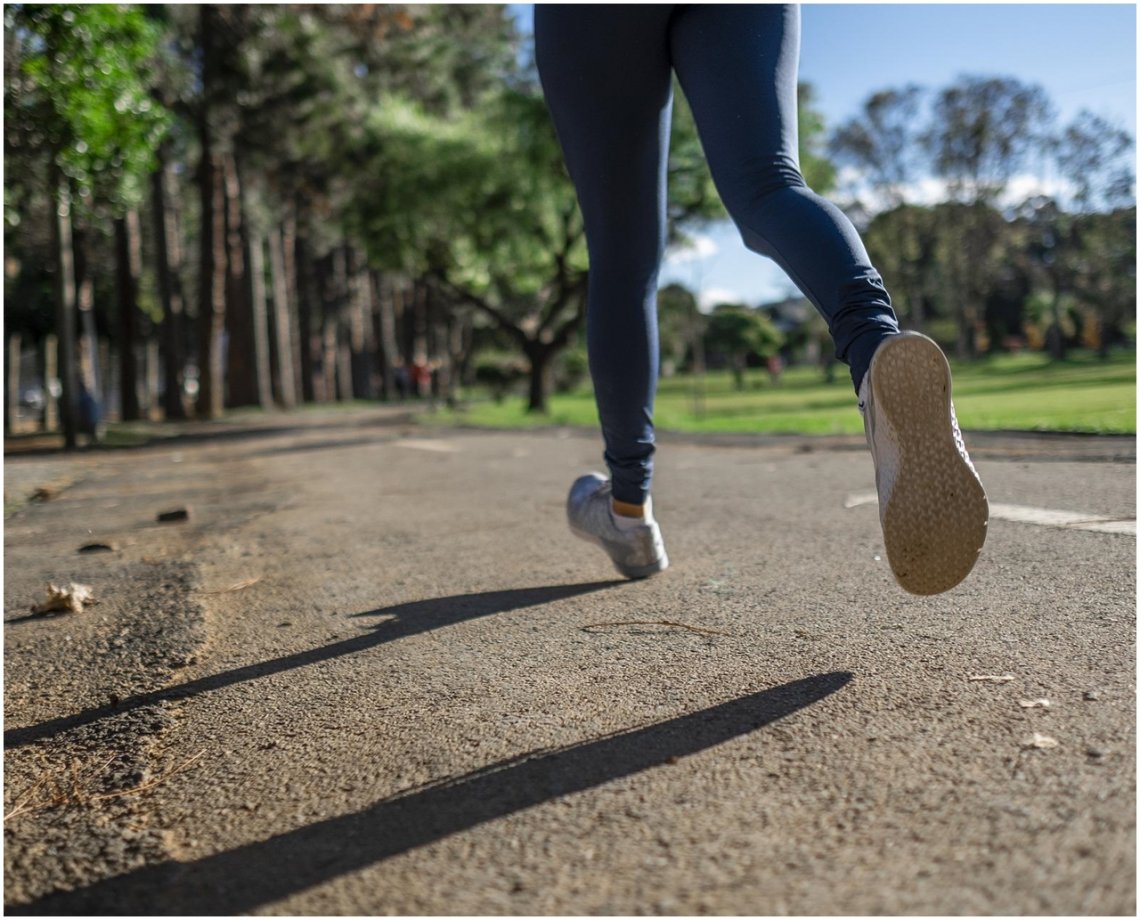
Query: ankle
x=627, y=516
x=627, y=509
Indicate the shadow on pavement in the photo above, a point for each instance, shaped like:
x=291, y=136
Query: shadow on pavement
x=198, y=432
x=251, y=876
x=409, y=619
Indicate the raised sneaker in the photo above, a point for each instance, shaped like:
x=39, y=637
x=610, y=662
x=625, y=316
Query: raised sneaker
x=932, y=505
x=637, y=551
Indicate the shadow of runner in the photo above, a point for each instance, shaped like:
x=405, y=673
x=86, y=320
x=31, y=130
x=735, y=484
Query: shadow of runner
x=409, y=619
x=250, y=876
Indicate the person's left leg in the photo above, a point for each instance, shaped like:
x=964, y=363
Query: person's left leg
x=738, y=66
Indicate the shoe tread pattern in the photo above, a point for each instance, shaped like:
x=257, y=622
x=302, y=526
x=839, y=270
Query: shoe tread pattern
x=935, y=521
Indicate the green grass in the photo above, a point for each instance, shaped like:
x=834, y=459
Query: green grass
x=1012, y=392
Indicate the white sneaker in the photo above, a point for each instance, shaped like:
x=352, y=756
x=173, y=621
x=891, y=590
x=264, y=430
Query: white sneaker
x=932, y=505
x=637, y=552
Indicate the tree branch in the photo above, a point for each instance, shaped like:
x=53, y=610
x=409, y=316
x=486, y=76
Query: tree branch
x=480, y=303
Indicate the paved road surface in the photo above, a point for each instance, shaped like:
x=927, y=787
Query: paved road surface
x=375, y=674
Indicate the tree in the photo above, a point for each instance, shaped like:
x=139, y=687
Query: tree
x=737, y=331
x=81, y=102
x=1105, y=271
x=882, y=143
x=679, y=324
x=1097, y=159
x=817, y=169
x=1099, y=241
x=904, y=244
x=982, y=132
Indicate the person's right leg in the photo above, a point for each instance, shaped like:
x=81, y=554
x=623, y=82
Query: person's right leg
x=605, y=73
x=606, y=77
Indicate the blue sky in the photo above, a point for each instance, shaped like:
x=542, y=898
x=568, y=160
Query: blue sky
x=1083, y=55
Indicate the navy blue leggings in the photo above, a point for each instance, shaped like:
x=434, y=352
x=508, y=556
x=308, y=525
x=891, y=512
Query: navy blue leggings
x=607, y=75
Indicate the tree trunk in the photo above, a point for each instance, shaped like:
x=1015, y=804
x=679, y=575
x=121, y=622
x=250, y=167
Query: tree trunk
x=168, y=257
x=241, y=353
x=106, y=361
x=306, y=303
x=340, y=308
x=212, y=290
x=419, y=323
x=153, y=382
x=212, y=238
x=128, y=259
x=65, y=309
x=362, y=339
x=260, y=315
x=539, y=356
x=384, y=298
x=50, y=365
x=1056, y=335
x=88, y=357
x=282, y=321
x=458, y=342
x=12, y=383
x=325, y=383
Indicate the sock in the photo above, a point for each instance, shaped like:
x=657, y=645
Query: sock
x=624, y=522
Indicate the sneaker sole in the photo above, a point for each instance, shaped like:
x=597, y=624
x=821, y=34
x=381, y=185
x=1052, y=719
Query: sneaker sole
x=629, y=571
x=935, y=523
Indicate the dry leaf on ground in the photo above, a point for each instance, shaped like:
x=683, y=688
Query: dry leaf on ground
x=69, y=598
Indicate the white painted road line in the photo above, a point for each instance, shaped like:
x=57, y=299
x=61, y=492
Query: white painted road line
x=1026, y=514
x=440, y=447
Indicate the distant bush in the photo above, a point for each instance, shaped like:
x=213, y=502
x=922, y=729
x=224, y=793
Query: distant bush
x=499, y=374
x=571, y=368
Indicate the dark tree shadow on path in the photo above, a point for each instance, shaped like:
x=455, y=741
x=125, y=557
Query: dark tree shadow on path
x=251, y=876
x=406, y=620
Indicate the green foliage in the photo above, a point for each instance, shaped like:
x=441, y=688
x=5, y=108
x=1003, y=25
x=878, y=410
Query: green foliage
x=480, y=199
x=735, y=329
x=692, y=194
x=571, y=369
x=81, y=95
x=818, y=170
x=499, y=373
x=679, y=322
x=736, y=332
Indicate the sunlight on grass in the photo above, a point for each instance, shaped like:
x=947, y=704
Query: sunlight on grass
x=1011, y=392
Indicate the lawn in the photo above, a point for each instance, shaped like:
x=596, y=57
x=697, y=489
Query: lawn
x=1011, y=392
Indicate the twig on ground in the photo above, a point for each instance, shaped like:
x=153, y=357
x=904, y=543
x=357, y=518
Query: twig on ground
x=696, y=629
x=237, y=586
x=58, y=793
x=150, y=784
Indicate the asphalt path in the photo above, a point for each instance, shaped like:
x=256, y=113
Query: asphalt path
x=374, y=673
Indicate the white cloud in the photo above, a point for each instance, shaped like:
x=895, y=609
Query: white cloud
x=696, y=249
x=710, y=297
x=930, y=190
